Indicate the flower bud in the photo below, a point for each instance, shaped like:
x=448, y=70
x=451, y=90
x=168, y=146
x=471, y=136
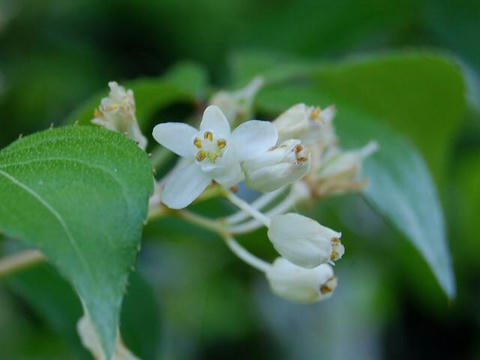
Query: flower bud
x=279, y=166
x=302, y=285
x=341, y=171
x=237, y=105
x=308, y=123
x=117, y=113
x=303, y=241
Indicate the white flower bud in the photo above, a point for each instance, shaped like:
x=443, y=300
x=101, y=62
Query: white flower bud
x=303, y=241
x=302, y=285
x=279, y=166
x=117, y=113
x=237, y=105
x=308, y=123
x=341, y=171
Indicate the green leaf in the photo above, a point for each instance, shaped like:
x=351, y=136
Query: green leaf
x=80, y=195
x=185, y=82
x=54, y=300
x=415, y=93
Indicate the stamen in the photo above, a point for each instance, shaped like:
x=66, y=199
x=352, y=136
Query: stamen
x=329, y=286
x=201, y=155
x=221, y=143
x=316, y=114
x=302, y=159
x=298, y=148
x=212, y=156
x=197, y=142
x=334, y=255
x=208, y=136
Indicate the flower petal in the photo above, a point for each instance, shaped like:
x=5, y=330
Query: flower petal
x=176, y=137
x=214, y=120
x=230, y=176
x=254, y=137
x=184, y=185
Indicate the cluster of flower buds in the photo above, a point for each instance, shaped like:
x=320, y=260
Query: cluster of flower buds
x=117, y=113
x=297, y=153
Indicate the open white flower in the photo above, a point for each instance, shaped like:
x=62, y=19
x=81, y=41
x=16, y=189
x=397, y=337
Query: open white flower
x=303, y=241
x=211, y=153
x=302, y=285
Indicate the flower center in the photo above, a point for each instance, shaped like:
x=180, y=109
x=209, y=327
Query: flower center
x=209, y=147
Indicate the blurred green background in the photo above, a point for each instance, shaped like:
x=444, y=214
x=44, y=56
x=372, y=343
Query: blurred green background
x=190, y=298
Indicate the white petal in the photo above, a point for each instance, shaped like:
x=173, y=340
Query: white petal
x=231, y=176
x=176, y=137
x=254, y=137
x=184, y=185
x=214, y=120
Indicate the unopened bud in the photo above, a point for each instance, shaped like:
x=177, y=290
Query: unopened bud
x=303, y=241
x=308, y=123
x=341, y=171
x=302, y=285
x=237, y=105
x=117, y=113
x=279, y=166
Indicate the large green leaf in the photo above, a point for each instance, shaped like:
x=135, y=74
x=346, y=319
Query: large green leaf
x=80, y=195
x=415, y=93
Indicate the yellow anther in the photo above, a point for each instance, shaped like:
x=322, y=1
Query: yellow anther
x=208, y=136
x=221, y=143
x=328, y=286
x=201, y=155
x=298, y=148
x=334, y=255
x=316, y=114
x=302, y=159
x=97, y=113
x=212, y=156
x=197, y=142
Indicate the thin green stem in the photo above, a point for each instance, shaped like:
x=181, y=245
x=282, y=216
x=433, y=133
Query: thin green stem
x=20, y=261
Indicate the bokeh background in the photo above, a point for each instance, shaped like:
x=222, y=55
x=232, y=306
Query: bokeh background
x=190, y=298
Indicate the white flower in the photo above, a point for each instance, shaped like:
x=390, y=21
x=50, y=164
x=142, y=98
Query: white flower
x=340, y=171
x=308, y=123
x=237, y=105
x=211, y=153
x=302, y=285
x=117, y=113
x=279, y=166
x=303, y=241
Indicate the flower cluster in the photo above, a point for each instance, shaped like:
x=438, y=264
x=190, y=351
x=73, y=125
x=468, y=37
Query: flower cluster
x=300, y=144
x=292, y=159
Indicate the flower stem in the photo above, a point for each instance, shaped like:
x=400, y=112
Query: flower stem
x=243, y=205
x=246, y=256
x=202, y=221
x=285, y=205
x=20, y=261
x=258, y=204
